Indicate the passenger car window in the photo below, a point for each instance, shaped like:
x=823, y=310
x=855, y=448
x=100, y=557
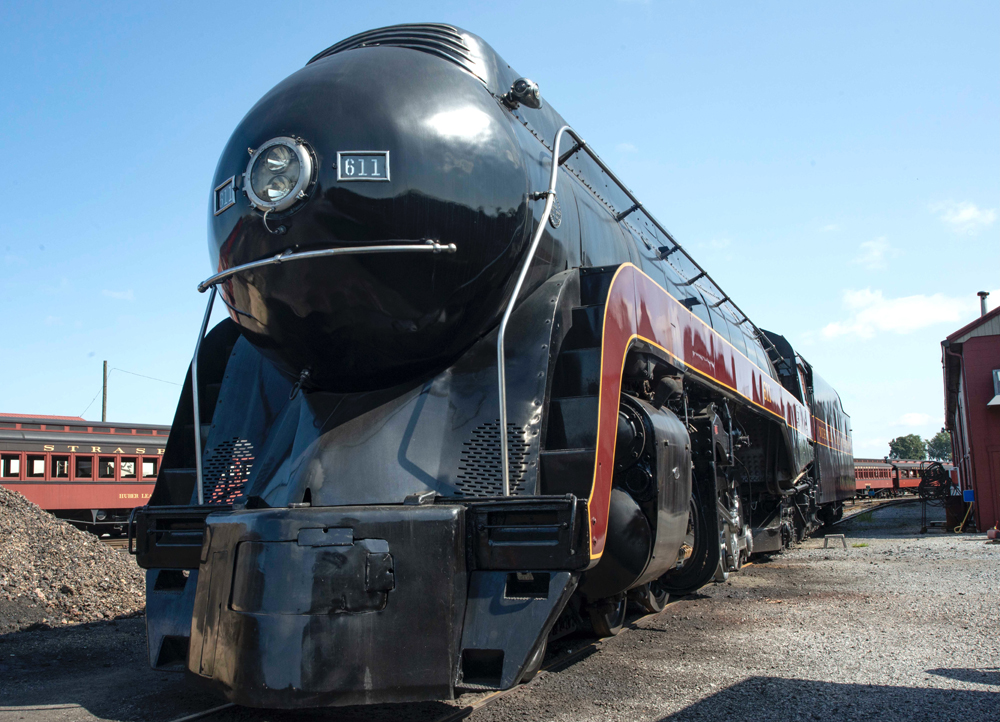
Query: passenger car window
x=60, y=467
x=84, y=467
x=149, y=468
x=10, y=466
x=106, y=467
x=128, y=467
x=36, y=466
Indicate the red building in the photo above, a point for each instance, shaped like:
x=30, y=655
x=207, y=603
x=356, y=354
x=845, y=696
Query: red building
x=971, y=360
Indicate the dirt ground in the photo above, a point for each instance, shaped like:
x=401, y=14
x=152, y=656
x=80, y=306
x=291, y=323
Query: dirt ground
x=897, y=626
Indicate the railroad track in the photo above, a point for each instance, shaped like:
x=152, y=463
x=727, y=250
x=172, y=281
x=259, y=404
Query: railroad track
x=116, y=543
x=872, y=506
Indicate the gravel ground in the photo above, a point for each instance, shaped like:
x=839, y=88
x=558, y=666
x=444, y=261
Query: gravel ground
x=898, y=626
x=53, y=574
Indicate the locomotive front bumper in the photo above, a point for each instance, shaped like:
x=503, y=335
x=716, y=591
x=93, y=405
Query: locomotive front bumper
x=324, y=606
x=344, y=605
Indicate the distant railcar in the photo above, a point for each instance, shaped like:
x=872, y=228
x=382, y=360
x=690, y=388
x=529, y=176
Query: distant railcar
x=91, y=474
x=906, y=474
x=890, y=477
x=873, y=478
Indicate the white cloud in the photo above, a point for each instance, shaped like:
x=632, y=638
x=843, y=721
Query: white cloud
x=964, y=217
x=829, y=227
x=626, y=148
x=913, y=419
x=874, y=253
x=120, y=295
x=872, y=313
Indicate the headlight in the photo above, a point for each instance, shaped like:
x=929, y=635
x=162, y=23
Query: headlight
x=277, y=174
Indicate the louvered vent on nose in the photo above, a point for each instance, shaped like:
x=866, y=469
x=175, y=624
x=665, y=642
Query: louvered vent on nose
x=479, y=468
x=226, y=470
x=443, y=41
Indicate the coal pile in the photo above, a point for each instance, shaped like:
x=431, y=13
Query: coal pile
x=52, y=574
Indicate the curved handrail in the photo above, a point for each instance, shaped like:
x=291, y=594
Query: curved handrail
x=212, y=282
x=429, y=246
x=549, y=196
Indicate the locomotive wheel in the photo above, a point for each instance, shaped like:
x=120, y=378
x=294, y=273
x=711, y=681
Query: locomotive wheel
x=651, y=597
x=607, y=617
x=535, y=663
x=702, y=561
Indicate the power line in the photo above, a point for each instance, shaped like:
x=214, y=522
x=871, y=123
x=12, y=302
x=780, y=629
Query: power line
x=91, y=403
x=131, y=373
x=151, y=378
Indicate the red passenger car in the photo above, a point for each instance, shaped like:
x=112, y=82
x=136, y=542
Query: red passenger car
x=873, y=478
x=89, y=473
x=907, y=474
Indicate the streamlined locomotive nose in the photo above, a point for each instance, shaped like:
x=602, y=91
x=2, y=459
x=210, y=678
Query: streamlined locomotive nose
x=384, y=144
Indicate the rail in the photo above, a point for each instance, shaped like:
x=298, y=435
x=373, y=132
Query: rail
x=637, y=207
x=429, y=246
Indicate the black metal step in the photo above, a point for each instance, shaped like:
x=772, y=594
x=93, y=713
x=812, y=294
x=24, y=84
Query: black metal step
x=572, y=423
x=567, y=471
x=189, y=433
x=587, y=328
x=578, y=373
x=177, y=476
x=594, y=284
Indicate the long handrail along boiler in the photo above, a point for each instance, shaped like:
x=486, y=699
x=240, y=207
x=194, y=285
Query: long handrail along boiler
x=460, y=445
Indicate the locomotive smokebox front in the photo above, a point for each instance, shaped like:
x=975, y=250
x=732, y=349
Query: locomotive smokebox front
x=370, y=146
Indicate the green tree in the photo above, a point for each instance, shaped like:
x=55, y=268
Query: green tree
x=910, y=446
x=939, y=447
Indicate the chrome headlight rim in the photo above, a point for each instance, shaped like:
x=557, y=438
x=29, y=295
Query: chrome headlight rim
x=297, y=192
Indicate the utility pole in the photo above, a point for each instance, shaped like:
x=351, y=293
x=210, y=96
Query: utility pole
x=104, y=396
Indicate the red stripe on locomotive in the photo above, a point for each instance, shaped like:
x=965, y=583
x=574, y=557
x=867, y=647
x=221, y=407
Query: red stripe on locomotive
x=639, y=308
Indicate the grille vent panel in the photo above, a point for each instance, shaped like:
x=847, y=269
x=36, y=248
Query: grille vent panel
x=442, y=40
x=479, y=468
x=226, y=470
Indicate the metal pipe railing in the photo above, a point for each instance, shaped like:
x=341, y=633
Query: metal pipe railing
x=196, y=402
x=286, y=256
x=637, y=206
x=549, y=196
x=677, y=246
x=429, y=246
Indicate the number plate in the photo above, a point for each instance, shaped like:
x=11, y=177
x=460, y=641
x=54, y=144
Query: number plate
x=363, y=165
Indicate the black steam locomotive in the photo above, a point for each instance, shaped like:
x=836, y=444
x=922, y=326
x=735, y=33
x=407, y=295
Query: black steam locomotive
x=470, y=395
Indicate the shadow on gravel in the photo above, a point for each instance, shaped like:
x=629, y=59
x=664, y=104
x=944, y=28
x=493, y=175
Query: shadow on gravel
x=901, y=519
x=767, y=699
x=99, y=666
x=413, y=712
x=965, y=674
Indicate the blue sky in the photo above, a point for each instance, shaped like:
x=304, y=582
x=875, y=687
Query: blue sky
x=833, y=165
